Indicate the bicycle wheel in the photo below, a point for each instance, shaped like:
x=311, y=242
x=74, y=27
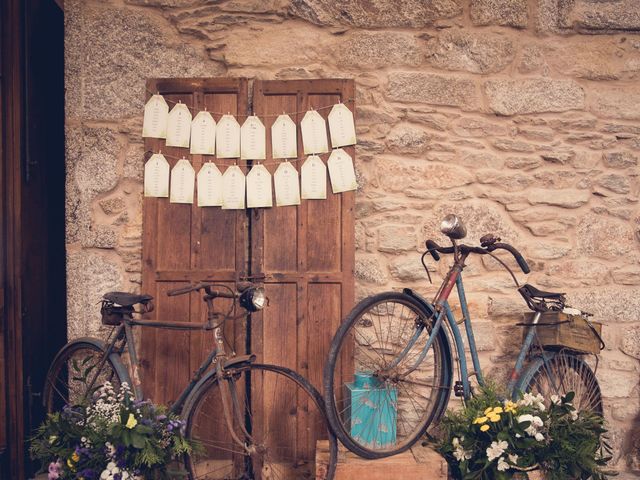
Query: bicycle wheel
x=280, y=410
x=560, y=374
x=377, y=404
x=72, y=370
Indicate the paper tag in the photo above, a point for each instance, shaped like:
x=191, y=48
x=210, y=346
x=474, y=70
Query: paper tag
x=203, y=134
x=228, y=137
x=341, y=171
x=314, y=133
x=252, y=139
x=287, y=185
x=183, y=178
x=283, y=138
x=341, y=126
x=314, y=179
x=209, y=186
x=156, y=114
x=233, y=185
x=259, y=193
x=156, y=176
x=179, y=126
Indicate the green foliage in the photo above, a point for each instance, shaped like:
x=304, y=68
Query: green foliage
x=112, y=432
x=494, y=439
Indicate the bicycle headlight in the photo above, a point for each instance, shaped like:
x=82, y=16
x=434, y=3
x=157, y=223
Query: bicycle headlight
x=253, y=299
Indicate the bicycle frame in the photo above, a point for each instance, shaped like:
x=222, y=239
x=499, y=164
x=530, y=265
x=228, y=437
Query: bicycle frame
x=442, y=311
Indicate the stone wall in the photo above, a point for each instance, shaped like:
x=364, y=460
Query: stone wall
x=521, y=116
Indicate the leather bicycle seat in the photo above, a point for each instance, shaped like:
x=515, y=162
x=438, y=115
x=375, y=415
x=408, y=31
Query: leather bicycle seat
x=534, y=292
x=125, y=299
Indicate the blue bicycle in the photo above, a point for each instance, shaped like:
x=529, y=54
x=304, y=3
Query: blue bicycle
x=389, y=374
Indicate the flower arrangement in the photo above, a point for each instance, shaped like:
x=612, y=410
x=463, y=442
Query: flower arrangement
x=493, y=439
x=112, y=437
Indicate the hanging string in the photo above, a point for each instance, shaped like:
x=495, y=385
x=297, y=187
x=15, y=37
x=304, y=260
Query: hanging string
x=243, y=115
x=232, y=161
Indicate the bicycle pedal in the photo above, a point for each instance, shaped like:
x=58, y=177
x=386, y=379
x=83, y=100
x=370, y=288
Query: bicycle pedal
x=458, y=389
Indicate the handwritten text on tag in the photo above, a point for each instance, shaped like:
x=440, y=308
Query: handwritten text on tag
x=156, y=176
x=259, y=192
x=341, y=171
x=156, y=114
x=314, y=133
x=183, y=178
x=209, y=186
x=283, y=138
x=233, y=188
x=253, y=140
x=228, y=137
x=341, y=126
x=287, y=185
x=314, y=178
x=203, y=134
x=179, y=126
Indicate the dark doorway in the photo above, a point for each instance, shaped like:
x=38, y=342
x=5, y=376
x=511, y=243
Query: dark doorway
x=33, y=202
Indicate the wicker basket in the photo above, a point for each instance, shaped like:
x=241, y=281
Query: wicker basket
x=557, y=330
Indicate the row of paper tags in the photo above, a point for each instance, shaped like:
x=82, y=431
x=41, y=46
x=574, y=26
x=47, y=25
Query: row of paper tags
x=229, y=189
x=227, y=139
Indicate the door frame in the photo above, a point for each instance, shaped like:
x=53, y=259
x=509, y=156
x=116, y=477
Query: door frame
x=11, y=147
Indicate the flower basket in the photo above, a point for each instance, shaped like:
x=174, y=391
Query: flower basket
x=110, y=437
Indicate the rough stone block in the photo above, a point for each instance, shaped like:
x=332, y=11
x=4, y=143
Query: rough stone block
x=628, y=275
x=408, y=269
x=383, y=13
x=379, y=49
x=396, y=176
x=547, y=250
x=607, y=16
x=396, y=239
x=432, y=89
x=464, y=50
x=615, y=183
x=604, y=237
x=368, y=270
x=513, y=97
x=615, y=102
x=405, y=138
x=560, y=198
x=118, y=49
x=609, y=305
x=620, y=159
x=631, y=342
x=509, y=13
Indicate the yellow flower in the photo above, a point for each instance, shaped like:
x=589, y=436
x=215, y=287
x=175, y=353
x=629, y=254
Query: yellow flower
x=75, y=457
x=498, y=410
x=52, y=439
x=131, y=421
x=71, y=465
x=488, y=410
x=510, y=407
x=480, y=420
x=494, y=418
x=484, y=428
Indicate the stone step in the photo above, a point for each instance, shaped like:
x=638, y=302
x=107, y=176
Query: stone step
x=419, y=463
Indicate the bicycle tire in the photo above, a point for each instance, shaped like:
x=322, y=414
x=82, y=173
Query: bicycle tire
x=425, y=390
x=560, y=373
x=56, y=392
x=277, y=456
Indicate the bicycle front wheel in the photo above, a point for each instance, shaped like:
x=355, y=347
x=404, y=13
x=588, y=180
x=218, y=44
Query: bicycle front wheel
x=378, y=402
x=559, y=374
x=79, y=364
x=277, y=415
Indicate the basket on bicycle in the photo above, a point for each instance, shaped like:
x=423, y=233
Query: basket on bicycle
x=560, y=330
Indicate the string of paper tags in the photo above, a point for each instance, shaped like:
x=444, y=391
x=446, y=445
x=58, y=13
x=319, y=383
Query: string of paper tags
x=226, y=139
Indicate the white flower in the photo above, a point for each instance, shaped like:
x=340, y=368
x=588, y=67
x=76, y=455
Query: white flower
x=555, y=399
x=574, y=415
x=496, y=449
x=455, y=442
x=537, y=401
x=539, y=437
x=462, y=454
x=525, y=418
x=513, y=458
x=502, y=465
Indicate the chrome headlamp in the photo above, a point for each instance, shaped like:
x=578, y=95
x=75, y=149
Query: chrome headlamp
x=253, y=299
x=453, y=227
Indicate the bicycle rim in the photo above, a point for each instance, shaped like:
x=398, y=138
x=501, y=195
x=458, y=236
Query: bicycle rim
x=376, y=407
x=283, y=415
x=68, y=379
x=565, y=373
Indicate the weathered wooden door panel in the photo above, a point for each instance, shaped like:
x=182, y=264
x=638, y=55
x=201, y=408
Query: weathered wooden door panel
x=186, y=243
x=306, y=254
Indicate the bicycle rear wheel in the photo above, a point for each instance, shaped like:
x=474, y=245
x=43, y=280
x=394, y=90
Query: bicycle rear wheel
x=375, y=404
x=560, y=374
x=73, y=368
x=282, y=412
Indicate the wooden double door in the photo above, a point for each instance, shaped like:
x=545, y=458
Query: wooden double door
x=304, y=255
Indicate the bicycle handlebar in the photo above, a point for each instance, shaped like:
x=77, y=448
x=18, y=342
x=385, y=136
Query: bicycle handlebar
x=434, y=249
x=202, y=286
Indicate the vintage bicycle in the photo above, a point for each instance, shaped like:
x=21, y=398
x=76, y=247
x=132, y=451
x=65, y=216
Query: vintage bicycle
x=234, y=408
x=394, y=351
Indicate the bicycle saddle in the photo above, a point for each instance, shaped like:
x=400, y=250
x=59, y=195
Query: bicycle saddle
x=541, y=301
x=125, y=299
